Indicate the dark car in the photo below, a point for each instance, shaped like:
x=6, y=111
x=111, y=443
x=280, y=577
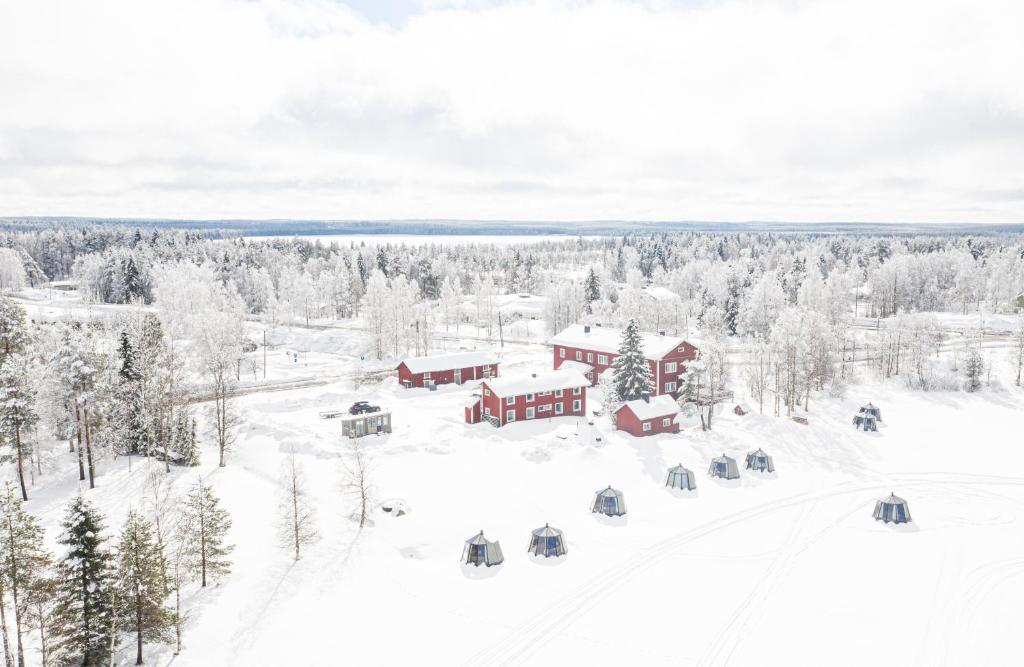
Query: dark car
x=360, y=407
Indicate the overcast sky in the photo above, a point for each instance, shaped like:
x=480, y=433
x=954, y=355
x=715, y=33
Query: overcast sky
x=866, y=110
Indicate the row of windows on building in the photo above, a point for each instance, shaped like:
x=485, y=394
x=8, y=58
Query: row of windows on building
x=511, y=400
x=666, y=422
x=531, y=413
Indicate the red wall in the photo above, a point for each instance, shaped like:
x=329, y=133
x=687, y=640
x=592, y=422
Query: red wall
x=443, y=377
x=497, y=404
x=658, y=373
x=626, y=421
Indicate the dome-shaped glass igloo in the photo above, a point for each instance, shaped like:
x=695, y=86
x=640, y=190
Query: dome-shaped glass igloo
x=609, y=502
x=724, y=467
x=893, y=509
x=547, y=542
x=680, y=478
x=760, y=461
x=478, y=551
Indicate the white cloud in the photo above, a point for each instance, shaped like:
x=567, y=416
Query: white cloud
x=868, y=110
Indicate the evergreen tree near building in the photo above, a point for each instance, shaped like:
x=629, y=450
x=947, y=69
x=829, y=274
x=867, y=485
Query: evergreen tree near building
x=631, y=373
x=130, y=428
x=140, y=584
x=24, y=564
x=13, y=328
x=83, y=615
x=206, y=525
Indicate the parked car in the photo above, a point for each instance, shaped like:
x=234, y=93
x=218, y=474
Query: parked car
x=361, y=407
x=249, y=346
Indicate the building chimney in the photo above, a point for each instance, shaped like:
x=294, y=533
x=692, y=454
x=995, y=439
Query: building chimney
x=586, y=328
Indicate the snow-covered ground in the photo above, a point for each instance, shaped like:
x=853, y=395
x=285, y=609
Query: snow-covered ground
x=787, y=568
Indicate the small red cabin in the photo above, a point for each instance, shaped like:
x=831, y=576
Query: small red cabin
x=447, y=369
x=648, y=416
x=534, y=396
x=592, y=350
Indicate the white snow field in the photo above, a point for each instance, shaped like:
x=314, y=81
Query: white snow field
x=788, y=568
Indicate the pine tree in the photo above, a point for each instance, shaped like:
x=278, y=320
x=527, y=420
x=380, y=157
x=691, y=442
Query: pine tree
x=84, y=614
x=206, y=525
x=140, y=583
x=13, y=327
x=974, y=368
x=183, y=441
x=23, y=561
x=632, y=374
x=17, y=413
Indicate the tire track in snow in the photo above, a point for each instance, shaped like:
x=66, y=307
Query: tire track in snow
x=532, y=635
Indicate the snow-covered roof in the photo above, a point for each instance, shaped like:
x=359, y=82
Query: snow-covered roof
x=573, y=365
x=535, y=383
x=658, y=406
x=446, y=362
x=660, y=293
x=607, y=339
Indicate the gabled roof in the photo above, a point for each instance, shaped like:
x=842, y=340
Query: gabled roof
x=537, y=382
x=659, y=406
x=446, y=362
x=607, y=339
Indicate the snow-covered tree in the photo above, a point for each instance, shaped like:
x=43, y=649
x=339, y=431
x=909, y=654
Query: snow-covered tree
x=83, y=616
x=974, y=368
x=17, y=413
x=14, y=334
x=139, y=583
x=24, y=563
x=12, y=271
x=205, y=527
x=631, y=373
x=297, y=520
x=591, y=289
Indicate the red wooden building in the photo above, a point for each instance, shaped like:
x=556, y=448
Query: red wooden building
x=592, y=350
x=447, y=369
x=534, y=396
x=648, y=416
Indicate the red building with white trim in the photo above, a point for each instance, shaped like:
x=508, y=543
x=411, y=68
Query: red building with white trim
x=649, y=416
x=447, y=369
x=560, y=393
x=592, y=350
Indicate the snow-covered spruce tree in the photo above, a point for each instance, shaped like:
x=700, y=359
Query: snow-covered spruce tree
x=1018, y=344
x=17, y=413
x=24, y=561
x=13, y=328
x=83, y=616
x=130, y=432
x=184, y=441
x=205, y=526
x=297, y=520
x=140, y=583
x=591, y=289
x=632, y=374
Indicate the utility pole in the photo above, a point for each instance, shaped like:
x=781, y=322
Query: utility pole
x=264, y=354
x=501, y=333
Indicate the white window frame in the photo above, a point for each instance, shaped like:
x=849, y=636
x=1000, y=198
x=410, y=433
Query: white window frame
x=670, y=387
x=544, y=393
x=544, y=408
x=530, y=413
x=577, y=405
x=487, y=392
x=559, y=408
x=529, y=397
x=510, y=415
x=647, y=427
x=426, y=376
x=579, y=356
x=577, y=391
x=561, y=352
x=510, y=400
x=590, y=357
x=487, y=412
x=602, y=359
x=670, y=367
x=558, y=393
x=666, y=422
